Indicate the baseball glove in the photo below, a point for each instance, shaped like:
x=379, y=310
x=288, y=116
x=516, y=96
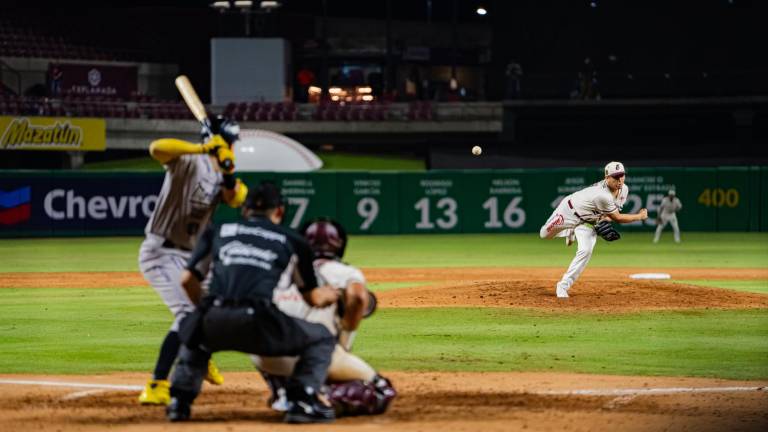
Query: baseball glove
x=606, y=230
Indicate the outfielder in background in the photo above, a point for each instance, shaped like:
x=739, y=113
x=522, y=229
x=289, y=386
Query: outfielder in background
x=585, y=214
x=354, y=387
x=194, y=184
x=668, y=209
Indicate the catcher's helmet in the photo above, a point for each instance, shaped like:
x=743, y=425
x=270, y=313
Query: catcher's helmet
x=224, y=126
x=326, y=237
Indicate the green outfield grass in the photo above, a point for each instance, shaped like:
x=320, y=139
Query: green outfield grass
x=348, y=161
x=448, y=250
x=331, y=161
x=755, y=286
x=104, y=330
x=46, y=330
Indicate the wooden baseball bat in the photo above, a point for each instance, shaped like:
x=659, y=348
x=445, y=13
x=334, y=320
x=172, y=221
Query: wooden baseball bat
x=198, y=109
x=192, y=99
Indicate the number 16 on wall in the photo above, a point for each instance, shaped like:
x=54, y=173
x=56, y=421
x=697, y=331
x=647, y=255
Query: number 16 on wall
x=513, y=216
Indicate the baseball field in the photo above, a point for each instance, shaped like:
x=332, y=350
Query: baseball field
x=468, y=328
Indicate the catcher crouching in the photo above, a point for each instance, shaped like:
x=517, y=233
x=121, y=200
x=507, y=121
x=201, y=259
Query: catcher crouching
x=353, y=386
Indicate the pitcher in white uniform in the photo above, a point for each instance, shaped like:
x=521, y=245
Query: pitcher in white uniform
x=575, y=217
x=668, y=209
x=355, y=387
x=195, y=182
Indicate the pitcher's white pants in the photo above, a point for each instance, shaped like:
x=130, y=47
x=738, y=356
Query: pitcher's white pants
x=162, y=268
x=558, y=225
x=672, y=220
x=586, y=238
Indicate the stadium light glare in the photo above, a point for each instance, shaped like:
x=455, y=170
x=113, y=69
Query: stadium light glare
x=270, y=4
x=243, y=3
x=220, y=5
x=481, y=11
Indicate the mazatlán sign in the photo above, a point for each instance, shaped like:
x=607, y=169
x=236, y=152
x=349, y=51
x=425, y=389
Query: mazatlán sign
x=52, y=133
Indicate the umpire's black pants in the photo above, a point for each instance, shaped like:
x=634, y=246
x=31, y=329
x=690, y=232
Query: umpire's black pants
x=257, y=328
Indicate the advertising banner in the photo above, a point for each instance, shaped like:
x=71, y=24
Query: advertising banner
x=52, y=133
x=54, y=203
x=92, y=80
x=80, y=204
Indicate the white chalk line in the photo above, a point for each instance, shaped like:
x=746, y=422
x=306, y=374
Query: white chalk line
x=82, y=394
x=582, y=392
x=71, y=384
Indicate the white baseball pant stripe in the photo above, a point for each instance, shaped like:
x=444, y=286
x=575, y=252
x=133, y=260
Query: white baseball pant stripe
x=162, y=268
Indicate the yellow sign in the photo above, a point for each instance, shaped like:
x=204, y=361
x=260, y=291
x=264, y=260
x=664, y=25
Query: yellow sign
x=52, y=133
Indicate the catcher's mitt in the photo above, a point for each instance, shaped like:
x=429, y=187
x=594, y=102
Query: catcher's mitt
x=606, y=230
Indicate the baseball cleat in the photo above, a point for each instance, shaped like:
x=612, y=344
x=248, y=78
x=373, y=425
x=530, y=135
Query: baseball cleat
x=156, y=392
x=279, y=401
x=570, y=238
x=307, y=407
x=561, y=292
x=177, y=411
x=214, y=376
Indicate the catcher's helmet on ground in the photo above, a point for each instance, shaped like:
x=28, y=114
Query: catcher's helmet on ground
x=224, y=126
x=326, y=237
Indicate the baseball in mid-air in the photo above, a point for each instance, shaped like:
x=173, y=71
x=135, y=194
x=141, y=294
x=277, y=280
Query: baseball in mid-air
x=476, y=150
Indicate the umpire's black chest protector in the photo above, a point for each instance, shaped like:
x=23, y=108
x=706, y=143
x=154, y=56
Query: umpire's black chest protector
x=250, y=258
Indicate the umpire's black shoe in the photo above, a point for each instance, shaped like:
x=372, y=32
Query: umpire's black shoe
x=177, y=410
x=309, y=409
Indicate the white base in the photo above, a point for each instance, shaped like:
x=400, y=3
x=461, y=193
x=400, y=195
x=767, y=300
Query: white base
x=650, y=276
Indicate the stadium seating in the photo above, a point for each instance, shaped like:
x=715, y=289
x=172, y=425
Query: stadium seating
x=18, y=41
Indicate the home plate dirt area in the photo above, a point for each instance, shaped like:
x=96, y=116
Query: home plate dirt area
x=435, y=401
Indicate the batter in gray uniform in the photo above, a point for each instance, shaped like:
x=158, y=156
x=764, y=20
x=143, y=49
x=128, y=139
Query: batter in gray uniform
x=194, y=185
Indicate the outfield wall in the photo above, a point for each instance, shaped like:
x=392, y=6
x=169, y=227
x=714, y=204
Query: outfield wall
x=61, y=203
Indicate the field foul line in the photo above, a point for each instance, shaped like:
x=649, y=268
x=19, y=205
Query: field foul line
x=72, y=384
x=582, y=392
x=82, y=394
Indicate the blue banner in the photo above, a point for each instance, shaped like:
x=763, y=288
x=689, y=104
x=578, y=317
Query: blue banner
x=77, y=204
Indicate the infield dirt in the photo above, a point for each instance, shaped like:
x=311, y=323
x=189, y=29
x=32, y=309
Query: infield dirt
x=455, y=401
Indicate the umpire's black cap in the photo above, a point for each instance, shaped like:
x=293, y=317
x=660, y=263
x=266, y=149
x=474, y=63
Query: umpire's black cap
x=265, y=196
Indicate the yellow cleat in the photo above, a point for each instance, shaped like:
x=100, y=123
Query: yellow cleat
x=157, y=392
x=214, y=376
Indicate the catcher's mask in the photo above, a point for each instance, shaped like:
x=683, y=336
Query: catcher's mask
x=326, y=237
x=224, y=126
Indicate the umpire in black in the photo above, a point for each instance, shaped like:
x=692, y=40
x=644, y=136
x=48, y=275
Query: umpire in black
x=250, y=259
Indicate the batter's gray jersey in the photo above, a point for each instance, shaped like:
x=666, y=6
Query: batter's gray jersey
x=187, y=200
